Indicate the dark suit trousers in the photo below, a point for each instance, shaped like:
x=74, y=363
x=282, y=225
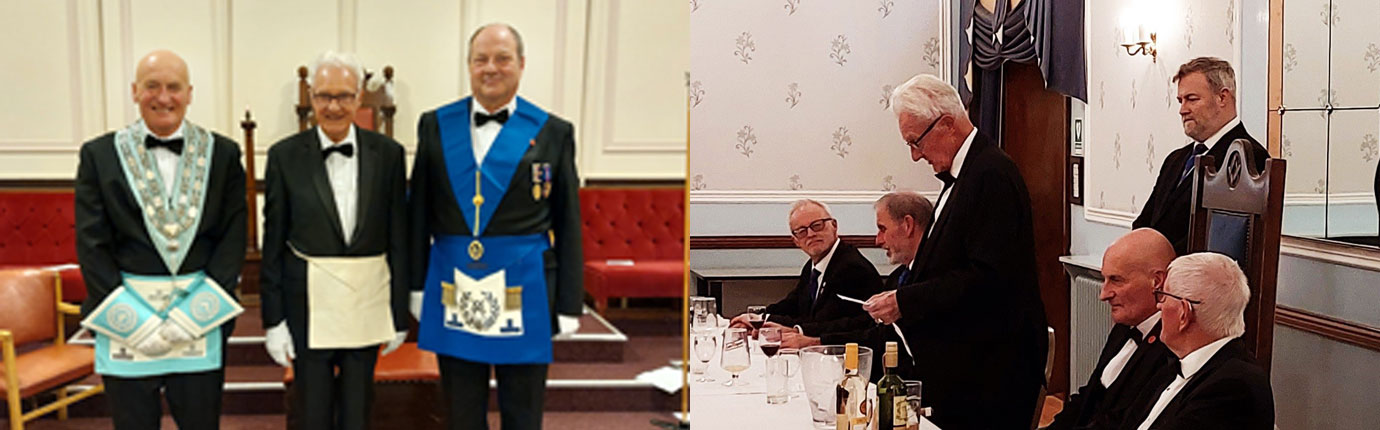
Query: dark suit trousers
x=193, y=398
x=521, y=393
x=326, y=399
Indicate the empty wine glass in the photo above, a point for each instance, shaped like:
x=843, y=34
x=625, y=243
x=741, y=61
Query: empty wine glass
x=704, y=316
x=735, y=358
x=704, y=344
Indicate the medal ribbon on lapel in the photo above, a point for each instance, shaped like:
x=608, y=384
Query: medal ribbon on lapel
x=171, y=220
x=492, y=176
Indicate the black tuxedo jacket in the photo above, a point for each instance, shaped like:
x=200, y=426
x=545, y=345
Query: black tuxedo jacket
x=1229, y=392
x=1098, y=407
x=300, y=209
x=111, y=237
x=1167, y=208
x=849, y=273
x=865, y=331
x=972, y=309
x=432, y=209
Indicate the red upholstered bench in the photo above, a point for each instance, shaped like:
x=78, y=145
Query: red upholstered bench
x=37, y=229
x=634, y=242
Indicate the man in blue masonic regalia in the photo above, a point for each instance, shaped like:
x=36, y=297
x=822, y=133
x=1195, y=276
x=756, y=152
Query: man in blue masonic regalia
x=495, y=218
x=160, y=223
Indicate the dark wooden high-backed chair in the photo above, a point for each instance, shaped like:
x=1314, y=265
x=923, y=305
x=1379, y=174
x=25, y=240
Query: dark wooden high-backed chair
x=376, y=107
x=1237, y=212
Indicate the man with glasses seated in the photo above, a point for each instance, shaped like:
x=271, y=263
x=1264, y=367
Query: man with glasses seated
x=835, y=268
x=1215, y=383
x=1132, y=268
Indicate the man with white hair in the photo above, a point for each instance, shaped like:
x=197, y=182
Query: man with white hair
x=835, y=268
x=1215, y=383
x=970, y=307
x=335, y=241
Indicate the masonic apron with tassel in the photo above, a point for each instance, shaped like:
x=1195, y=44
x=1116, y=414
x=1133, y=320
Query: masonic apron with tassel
x=348, y=301
x=134, y=310
x=485, y=296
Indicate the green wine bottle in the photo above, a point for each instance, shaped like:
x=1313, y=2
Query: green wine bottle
x=892, y=409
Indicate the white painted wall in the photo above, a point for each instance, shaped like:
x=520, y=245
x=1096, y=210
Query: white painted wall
x=614, y=68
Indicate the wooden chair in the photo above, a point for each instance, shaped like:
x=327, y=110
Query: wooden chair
x=376, y=107
x=1046, y=407
x=1237, y=212
x=31, y=314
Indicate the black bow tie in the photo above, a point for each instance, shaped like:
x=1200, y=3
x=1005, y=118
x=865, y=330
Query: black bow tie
x=174, y=145
x=946, y=178
x=1174, y=365
x=1137, y=337
x=480, y=117
x=348, y=150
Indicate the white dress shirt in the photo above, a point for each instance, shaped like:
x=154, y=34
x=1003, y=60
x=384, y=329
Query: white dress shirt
x=165, y=158
x=1188, y=366
x=1235, y=121
x=483, y=136
x=957, y=165
x=1118, y=362
x=819, y=281
x=343, y=174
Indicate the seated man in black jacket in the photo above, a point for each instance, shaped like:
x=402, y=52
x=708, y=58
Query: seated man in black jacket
x=902, y=218
x=834, y=268
x=1133, y=267
x=1215, y=383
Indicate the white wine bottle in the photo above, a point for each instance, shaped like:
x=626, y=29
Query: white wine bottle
x=852, y=412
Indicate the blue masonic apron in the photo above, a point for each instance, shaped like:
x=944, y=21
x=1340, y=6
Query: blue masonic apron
x=485, y=296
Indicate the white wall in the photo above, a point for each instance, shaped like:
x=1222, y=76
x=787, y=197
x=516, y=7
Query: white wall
x=69, y=65
x=789, y=100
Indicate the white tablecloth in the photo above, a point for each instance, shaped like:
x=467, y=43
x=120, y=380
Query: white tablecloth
x=714, y=406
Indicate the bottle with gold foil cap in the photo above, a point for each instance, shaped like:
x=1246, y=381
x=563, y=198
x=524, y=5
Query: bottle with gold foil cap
x=851, y=394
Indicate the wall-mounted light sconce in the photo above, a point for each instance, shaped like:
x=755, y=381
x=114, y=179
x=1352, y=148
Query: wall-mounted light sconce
x=1137, y=36
x=1142, y=47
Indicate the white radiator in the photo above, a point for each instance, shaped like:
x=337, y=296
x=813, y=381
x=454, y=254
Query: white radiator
x=1090, y=322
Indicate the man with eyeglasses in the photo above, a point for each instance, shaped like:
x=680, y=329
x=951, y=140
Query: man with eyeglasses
x=971, y=308
x=835, y=268
x=1215, y=383
x=1133, y=267
x=495, y=219
x=335, y=246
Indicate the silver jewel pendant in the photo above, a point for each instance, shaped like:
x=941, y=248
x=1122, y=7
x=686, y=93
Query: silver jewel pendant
x=171, y=229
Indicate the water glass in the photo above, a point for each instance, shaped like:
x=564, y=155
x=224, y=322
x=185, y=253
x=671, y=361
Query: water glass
x=704, y=345
x=778, y=369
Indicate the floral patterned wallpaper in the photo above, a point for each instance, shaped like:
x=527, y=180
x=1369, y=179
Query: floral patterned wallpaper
x=791, y=95
x=1132, y=115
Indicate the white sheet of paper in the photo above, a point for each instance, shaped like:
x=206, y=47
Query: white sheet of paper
x=619, y=262
x=841, y=296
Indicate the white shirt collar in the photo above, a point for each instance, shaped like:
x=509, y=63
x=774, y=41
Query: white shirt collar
x=176, y=134
x=962, y=153
x=1235, y=121
x=1147, y=325
x=326, y=141
x=510, y=107
x=824, y=262
x=1194, y=361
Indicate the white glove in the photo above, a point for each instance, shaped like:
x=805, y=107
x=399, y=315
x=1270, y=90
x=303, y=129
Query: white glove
x=153, y=345
x=415, y=305
x=568, y=324
x=174, y=333
x=278, y=342
x=395, y=343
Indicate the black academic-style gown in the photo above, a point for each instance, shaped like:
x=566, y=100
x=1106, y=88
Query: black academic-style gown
x=971, y=309
x=432, y=209
x=1229, y=392
x=1098, y=407
x=300, y=209
x=1167, y=208
x=111, y=238
x=848, y=273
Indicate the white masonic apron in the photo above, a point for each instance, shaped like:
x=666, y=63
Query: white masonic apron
x=348, y=301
